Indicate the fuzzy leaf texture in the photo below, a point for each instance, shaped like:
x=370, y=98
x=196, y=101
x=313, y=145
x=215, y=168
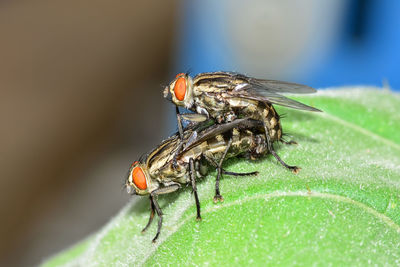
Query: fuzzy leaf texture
x=343, y=208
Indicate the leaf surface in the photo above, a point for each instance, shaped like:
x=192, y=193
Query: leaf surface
x=342, y=208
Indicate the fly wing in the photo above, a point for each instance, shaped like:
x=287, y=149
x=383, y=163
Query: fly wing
x=260, y=93
x=263, y=93
x=167, y=144
x=170, y=145
x=192, y=139
x=222, y=128
x=282, y=87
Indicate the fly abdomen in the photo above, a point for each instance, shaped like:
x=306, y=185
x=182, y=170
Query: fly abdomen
x=265, y=112
x=272, y=121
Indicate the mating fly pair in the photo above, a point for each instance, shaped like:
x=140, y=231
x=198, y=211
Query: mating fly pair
x=245, y=122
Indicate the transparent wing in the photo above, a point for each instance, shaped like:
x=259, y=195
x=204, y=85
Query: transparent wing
x=192, y=139
x=261, y=93
x=281, y=87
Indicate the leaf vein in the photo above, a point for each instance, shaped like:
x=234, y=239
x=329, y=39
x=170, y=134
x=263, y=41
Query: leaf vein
x=361, y=130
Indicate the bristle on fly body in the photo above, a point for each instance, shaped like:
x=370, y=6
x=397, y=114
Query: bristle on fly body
x=283, y=115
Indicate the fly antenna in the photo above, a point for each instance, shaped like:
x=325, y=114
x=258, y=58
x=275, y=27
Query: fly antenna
x=188, y=71
x=123, y=187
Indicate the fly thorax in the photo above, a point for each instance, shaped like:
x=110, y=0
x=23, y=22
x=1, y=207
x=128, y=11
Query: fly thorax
x=166, y=171
x=172, y=174
x=182, y=177
x=212, y=102
x=154, y=185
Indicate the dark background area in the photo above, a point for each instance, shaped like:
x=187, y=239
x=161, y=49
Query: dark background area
x=81, y=98
x=81, y=90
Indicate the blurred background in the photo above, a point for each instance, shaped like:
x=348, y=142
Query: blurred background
x=81, y=90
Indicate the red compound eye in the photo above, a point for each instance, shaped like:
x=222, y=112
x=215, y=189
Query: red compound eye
x=139, y=178
x=180, y=88
x=179, y=74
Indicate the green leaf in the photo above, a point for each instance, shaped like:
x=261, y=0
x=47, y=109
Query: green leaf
x=342, y=208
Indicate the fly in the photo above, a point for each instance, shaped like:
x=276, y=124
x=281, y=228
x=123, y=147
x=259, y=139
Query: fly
x=225, y=96
x=154, y=174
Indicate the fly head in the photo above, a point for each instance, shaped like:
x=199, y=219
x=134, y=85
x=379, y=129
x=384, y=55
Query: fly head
x=139, y=181
x=180, y=91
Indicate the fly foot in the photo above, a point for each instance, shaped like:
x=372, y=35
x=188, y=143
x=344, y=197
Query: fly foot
x=218, y=198
x=198, y=219
x=295, y=169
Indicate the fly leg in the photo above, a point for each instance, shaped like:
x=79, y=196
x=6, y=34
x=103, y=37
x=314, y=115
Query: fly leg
x=193, y=180
x=180, y=129
x=218, y=196
x=239, y=173
x=160, y=216
x=151, y=215
x=294, y=169
x=223, y=171
x=153, y=195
